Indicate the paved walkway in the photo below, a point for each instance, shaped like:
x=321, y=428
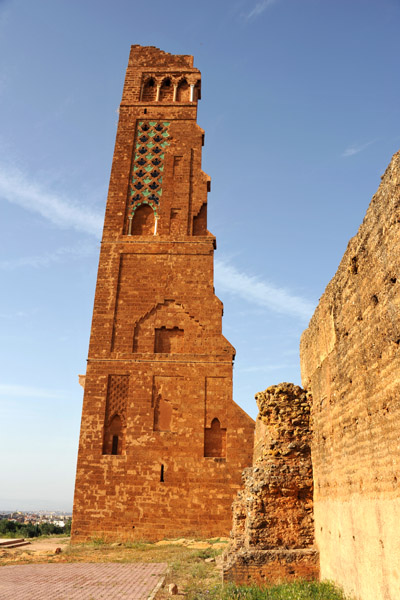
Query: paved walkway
x=81, y=581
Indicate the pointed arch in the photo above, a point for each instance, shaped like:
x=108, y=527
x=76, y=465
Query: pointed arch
x=166, y=90
x=215, y=440
x=114, y=436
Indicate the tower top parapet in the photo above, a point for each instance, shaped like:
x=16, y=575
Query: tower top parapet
x=154, y=76
x=145, y=56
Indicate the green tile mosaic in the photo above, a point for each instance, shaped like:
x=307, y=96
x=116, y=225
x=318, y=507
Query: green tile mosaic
x=147, y=169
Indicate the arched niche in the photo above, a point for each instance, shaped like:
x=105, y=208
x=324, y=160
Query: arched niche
x=143, y=220
x=215, y=440
x=113, y=436
x=149, y=90
x=183, y=91
x=166, y=90
x=162, y=414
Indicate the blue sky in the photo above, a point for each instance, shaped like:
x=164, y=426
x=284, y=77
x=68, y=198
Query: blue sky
x=300, y=105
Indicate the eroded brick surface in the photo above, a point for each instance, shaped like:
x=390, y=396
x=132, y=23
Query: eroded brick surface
x=350, y=358
x=162, y=444
x=273, y=528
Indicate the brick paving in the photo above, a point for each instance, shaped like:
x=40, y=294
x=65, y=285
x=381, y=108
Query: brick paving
x=80, y=581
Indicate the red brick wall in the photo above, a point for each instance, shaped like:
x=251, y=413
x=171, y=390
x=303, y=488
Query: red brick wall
x=157, y=328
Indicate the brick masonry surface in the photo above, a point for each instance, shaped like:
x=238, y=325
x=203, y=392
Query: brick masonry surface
x=273, y=527
x=162, y=443
x=88, y=581
x=350, y=362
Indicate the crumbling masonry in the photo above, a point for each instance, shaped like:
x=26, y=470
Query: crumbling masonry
x=273, y=527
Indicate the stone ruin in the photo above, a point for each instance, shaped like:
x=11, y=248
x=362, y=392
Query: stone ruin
x=273, y=528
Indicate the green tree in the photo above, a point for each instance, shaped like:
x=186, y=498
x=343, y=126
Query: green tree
x=7, y=526
x=67, y=528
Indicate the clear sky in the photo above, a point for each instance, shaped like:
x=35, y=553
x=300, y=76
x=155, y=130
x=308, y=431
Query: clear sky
x=300, y=105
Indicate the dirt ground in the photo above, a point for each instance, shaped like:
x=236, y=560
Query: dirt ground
x=41, y=547
x=47, y=544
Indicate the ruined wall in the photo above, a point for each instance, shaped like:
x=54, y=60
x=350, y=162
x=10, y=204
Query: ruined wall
x=350, y=360
x=273, y=529
x=162, y=443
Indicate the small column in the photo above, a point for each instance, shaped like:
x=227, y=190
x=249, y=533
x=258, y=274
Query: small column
x=191, y=92
x=130, y=218
x=175, y=92
x=155, y=226
x=158, y=92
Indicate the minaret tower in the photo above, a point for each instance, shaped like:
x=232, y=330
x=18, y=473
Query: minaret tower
x=162, y=443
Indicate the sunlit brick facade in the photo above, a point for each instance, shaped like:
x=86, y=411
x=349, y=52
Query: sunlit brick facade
x=162, y=443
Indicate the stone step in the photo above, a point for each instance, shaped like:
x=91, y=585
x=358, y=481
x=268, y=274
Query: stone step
x=13, y=543
x=17, y=545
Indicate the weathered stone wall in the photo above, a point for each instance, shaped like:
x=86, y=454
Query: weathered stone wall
x=350, y=359
x=162, y=443
x=273, y=529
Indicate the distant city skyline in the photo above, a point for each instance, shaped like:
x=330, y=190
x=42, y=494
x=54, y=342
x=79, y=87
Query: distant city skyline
x=33, y=510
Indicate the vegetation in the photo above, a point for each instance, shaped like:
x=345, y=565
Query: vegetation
x=194, y=569
x=300, y=590
x=14, y=529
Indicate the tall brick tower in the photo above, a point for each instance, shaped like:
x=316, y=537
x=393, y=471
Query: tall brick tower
x=162, y=443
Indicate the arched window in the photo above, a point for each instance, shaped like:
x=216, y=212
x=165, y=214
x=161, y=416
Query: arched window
x=143, y=221
x=183, y=91
x=166, y=91
x=149, y=90
x=215, y=440
x=113, y=436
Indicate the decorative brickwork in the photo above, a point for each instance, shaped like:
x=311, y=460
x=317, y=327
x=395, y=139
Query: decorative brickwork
x=273, y=528
x=350, y=360
x=162, y=444
x=117, y=394
x=151, y=141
